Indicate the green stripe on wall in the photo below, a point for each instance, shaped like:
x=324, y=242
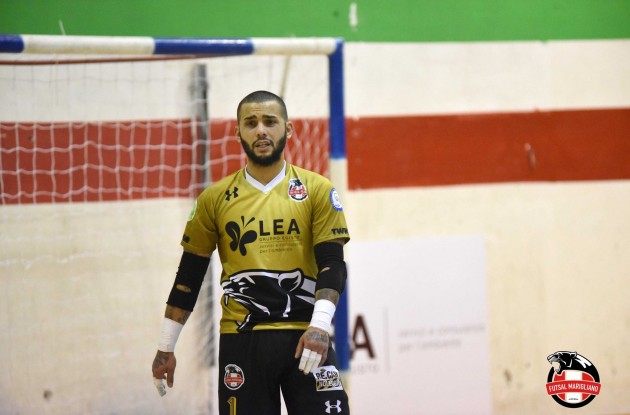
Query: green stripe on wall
x=377, y=20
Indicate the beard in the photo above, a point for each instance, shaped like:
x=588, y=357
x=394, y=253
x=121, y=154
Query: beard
x=265, y=161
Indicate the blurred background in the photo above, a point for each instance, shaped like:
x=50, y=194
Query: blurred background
x=488, y=199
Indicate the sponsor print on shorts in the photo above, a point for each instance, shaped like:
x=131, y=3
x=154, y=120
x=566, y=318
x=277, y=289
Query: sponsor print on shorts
x=327, y=378
x=234, y=377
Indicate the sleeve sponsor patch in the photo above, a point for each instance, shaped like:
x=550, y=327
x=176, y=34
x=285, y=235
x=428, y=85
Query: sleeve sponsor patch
x=334, y=199
x=191, y=215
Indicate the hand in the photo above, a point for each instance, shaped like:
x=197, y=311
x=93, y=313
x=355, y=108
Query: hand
x=312, y=349
x=164, y=368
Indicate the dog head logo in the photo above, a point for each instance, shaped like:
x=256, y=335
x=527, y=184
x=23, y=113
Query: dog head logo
x=271, y=296
x=573, y=381
x=233, y=377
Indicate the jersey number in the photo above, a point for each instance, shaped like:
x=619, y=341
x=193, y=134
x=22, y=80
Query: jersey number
x=232, y=403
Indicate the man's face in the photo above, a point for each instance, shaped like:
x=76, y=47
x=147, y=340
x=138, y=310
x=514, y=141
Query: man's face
x=263, y=132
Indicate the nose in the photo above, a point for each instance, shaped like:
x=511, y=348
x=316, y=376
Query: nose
x=261, y=130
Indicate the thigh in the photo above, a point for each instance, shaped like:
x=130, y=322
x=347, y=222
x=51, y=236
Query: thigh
x=245, y=385
x=321, y=392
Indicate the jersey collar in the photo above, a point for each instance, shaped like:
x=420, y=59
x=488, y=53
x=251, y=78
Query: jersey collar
x=267, y=188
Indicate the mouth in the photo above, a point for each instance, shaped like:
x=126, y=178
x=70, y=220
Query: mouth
x=263, y=144
x=556, y=365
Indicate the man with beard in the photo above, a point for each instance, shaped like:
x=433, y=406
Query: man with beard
x=279, y=231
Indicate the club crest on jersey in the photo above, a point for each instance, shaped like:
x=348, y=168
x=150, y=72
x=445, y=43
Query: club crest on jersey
x=234, y=377
x=297, y=190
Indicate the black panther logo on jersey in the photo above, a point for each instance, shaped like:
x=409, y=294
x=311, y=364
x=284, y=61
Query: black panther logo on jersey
x=240, y=241
x=271, y=296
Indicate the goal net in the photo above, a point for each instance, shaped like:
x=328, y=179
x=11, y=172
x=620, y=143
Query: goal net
x=103, y=148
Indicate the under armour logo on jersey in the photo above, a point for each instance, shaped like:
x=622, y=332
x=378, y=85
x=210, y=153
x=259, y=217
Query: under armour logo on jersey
x=229, y=194
x=330, y=407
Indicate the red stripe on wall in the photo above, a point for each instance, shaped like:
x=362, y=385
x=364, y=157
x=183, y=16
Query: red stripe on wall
x=75, y=162
x=463, y=149
x=64, y=162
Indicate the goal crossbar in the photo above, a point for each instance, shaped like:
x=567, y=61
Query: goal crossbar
x=154, y=46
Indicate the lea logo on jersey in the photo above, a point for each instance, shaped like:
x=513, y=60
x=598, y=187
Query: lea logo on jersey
x=240, y=237
x=297, y=190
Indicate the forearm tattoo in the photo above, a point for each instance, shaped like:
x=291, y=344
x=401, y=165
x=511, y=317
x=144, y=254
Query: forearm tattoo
x=177, y=314
x=327, y=294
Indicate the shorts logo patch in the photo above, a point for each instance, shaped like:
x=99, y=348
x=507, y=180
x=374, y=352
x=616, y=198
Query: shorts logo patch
x=234, y=377
x=334, y=200
x=327, y=378
x=330, y=407
x=297, y=190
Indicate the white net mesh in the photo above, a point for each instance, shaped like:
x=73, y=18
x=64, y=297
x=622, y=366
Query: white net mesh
x=99, y=163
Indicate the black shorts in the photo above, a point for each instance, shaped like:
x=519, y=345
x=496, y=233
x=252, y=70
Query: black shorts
x=255, y=366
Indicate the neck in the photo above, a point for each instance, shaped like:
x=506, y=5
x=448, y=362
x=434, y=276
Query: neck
x=264, y=174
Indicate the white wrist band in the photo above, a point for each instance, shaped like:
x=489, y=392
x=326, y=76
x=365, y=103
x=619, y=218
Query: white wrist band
x=169, y=335
x=322, y=315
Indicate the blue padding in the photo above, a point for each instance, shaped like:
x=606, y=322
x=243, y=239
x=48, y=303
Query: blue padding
x=209, y=47
x=336, y=98
x=11, y=43
x=342, y=333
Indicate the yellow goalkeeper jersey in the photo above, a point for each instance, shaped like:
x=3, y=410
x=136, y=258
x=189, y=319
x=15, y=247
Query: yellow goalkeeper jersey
x=265, y=237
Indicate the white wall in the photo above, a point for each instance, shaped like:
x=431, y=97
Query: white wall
x=558, y=266
x=84, y=288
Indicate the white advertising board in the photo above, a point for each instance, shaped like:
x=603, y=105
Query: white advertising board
x=418, y=312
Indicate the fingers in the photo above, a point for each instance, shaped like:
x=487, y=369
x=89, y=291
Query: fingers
x=299, y=348
x=163, y=368
x=170, y=377
x=159, y=384
x=309, y=361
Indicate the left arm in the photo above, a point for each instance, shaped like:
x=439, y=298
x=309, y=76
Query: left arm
x=313, y=345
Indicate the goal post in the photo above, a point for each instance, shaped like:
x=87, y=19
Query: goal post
x=69, y=164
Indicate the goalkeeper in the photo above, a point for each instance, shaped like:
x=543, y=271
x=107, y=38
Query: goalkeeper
x=279, y=231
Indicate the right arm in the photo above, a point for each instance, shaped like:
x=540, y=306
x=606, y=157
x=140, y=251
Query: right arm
x=164, y=362
x=180, y=304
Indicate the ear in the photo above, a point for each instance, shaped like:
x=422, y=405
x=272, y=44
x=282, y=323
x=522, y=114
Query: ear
x=289, y=127
x=237, y=133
